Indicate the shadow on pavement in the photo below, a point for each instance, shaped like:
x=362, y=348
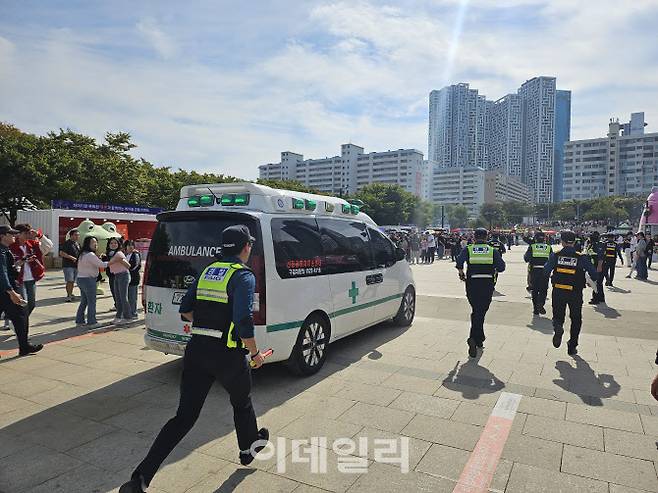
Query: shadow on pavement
x=606, y=311
x=615, y=289
x=541, y=324
x=111, y=429
x=472, y=380
x=234, y=480
x=590, y=388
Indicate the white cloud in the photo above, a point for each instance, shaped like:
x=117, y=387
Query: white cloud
x=160, y=42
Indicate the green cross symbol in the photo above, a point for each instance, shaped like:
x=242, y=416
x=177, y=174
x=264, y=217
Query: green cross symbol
x=353, y=292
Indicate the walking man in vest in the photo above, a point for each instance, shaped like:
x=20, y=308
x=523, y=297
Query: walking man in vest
x=219, y=307
x=596, y=251
x=612, y=251
x=537, y=255
x=483, y=262
x=568, y=268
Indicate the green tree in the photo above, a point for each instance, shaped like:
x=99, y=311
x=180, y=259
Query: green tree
x=493, y=214
x=387, y=204
x=22, y=170
x=515, y=211
x=457, y=215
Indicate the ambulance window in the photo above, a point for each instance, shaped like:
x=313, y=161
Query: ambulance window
x=297, y=247
x=345, y=245
x=382, y=249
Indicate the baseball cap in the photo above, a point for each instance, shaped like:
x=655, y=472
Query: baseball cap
x=236, y=237
x=4, y=229
x=567, y=236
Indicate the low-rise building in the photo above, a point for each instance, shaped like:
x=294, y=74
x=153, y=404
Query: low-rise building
x=352, y=170
x=500, y=188
x=460, y=186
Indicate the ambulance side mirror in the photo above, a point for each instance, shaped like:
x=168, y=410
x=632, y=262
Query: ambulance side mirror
x=400, y=254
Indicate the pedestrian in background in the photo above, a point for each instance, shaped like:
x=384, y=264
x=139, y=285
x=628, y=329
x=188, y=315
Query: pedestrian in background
x=135, y=261
x=120, y=270
x=113, y=245
x=650, y=246
x=28, y=251
x=11, y=302
x=89, y=264
x=69, y=253
x=641, y=262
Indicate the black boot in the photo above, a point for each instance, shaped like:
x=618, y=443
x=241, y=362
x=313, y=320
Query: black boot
x=472, y=347
x=247, y=458
x=557, y=338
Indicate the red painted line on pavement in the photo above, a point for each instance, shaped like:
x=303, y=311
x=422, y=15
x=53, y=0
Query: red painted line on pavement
x=481, y=466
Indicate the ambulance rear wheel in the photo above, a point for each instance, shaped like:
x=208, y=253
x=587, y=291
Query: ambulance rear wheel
x=310, y=350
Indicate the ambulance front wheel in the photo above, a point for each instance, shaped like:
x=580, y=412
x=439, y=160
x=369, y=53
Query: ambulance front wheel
x=407, y=310
x=310, y=350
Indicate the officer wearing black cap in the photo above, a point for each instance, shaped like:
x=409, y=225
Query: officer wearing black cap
x=11, y=303
x=568, y=267
x=483, y=262
x=596, y=251
x=219, y=306
x=536, y=256
x=612, y=251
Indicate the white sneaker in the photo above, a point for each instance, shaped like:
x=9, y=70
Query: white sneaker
x=92, y=326
x=122, y=321
x=116, y=320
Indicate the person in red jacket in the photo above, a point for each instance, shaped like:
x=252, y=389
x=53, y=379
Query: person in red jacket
x=28, y=250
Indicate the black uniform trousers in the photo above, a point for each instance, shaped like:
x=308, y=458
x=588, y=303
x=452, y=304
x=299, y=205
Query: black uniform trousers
x=19, y=318
x=574, y=300
x=609, y=266
x=539, y=283
x=206, y=359
x=479, y=293
x=600, y=293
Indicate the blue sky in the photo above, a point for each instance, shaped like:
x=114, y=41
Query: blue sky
x=225, y=86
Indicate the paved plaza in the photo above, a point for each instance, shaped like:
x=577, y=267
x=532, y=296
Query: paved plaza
x=79, y=416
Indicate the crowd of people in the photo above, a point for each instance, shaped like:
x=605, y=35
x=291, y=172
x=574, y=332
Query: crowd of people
x=424, y=247
x=22, y=266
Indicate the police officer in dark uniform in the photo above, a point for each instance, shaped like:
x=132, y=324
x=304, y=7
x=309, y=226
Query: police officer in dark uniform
x=596, y=252
x=483, y=262
x=612, y=251
x=568, y=267
x=537, y=255
x=219, y=306
x=11, y=303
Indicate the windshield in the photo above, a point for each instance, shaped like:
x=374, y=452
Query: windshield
x=184, y=244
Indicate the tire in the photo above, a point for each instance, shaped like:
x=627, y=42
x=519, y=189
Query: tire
x=310, y=351
x=407, y=310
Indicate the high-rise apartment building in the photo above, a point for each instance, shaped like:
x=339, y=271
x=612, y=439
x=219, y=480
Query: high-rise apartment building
x=519, y=134
x=460, y=186
x=352, y=170
x=562, y=136
x=623, y=163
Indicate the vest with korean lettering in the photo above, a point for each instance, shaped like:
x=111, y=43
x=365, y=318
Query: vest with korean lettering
x=567, y=275
x=480, y=261
x=213, y=308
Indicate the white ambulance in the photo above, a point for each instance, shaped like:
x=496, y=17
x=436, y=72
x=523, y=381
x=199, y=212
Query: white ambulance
x=323, y=269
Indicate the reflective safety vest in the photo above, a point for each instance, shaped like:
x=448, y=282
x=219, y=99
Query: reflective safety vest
x=610, y=250
x=480, y=261
x=567, y=275
x=213, y=309
x=540, y=253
